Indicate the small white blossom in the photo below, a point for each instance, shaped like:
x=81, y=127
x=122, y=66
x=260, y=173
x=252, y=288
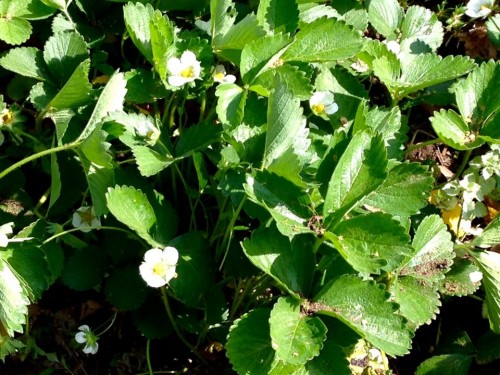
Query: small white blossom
x=148, y=131
x=205, y=26
x=5, y=229
x=85, y=219
x=158, y=267
x=323, y=104
x=87, y=337
x=220, y=75
x=6, y=117
x=479, y=8
x=183, y=70
x=476, y=276
x=466, y=227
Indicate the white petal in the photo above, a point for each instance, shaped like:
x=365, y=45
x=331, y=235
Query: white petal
x=80, y=337
x=77, y=220
x=188, y=58
x=7, y=228
x=331, y=108
x=177, y=81
x=4, y=241
x=153, y=256
x=475, y=276
x=174, y=65
x=229, y=79
x=84, y=328
x=150, y=277
x=170, y=256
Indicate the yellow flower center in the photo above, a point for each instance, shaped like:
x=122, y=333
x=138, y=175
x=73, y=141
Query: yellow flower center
x=159, y=269
x=318, y=108
x=219, y=76
x=86, y=217
x=6, y=118
x=188, y=72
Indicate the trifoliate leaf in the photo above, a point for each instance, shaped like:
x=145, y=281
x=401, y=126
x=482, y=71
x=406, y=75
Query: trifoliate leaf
x=385, y=16
x=404, y=192
x=132, y=208
x=457, y=281
x=85, y=269
x=286, y=202
x=248, y=344
x=14, y=306
x=489, y=264
x=342, y=42
x=372, y=242
x=290, y=263
x=433, y=251
x=361, y=168
x=277, y=16
x=231, y=103
x=26, y=61
x=295, y=337
x=62, y=53
x=447, y=364
x=137, y=20
x=363, y=306
x=125, y=288
x=284, y=121
x=418, y=302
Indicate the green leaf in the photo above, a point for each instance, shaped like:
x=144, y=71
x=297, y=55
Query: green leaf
x=195, y=270
x=433, y=251
x=197, y=137
x=361, y=169
x=132, y=208
x=143, y=87
x=137, y=20
x=14, y=306
x=162, y=37
x=57, y=4
x=286, y=202
x=331, y=359
x=489, y=264
x=96, y=149
x=248, y=344
x=55, y=180
x=63, y=53
x=418, y=301
x=385, y=16
x=260, y=55
x=26, y=61
x=372, y=242
x=99, y=180
x=84, y=269
x=490, y=236
x=223, y=16
x=150, y=162
x=420, y=25
x=125, y=288
x=488, y=348
x=457, y=281
x=342, y=42
x=290, y=263
x=493, y=27
x=110, y=100
x=363, y=306
x=14, y=30
x=447, y=364
x=475, y=99
x=295, y=337
x=277, y=16
x=75, y=92
x=284, y=121
x=404, y=192
x=453, y=130
x=231, y=103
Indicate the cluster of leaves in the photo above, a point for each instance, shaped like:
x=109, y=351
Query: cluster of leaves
x=315, y=225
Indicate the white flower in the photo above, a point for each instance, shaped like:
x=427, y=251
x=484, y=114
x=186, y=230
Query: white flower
x=5, y=229
x=6, y=117
x=476, y=276
x=183, y=70
x=322, y=103
x=158, y=267
x=87, y=337
x=479, y=8
x=148, y=131
x=205, y=26
x=220, y=75
x=393, y=46
x=85, y=219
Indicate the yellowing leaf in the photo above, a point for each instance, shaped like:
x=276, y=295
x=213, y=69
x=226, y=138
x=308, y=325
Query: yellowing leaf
x=452, y=219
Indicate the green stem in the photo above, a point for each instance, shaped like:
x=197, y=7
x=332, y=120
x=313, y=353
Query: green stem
x=229, y=231
x=464, y=163
x=203, y=106
x=79, y=230
x=41, y=202
x=110, y=324
x=192, y=222
x=423, y=144
x=148, y=358
x=176, y=328
x=38, y=155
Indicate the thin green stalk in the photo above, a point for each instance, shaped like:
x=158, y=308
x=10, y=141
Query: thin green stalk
x=192, y=222
x=464, y=163
x=203, y=106
x=41, y=202
x=176, y=328
x=421, y=145
x=79, y=230
x=148, y=358
x=38, y=155
x=229, y=231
